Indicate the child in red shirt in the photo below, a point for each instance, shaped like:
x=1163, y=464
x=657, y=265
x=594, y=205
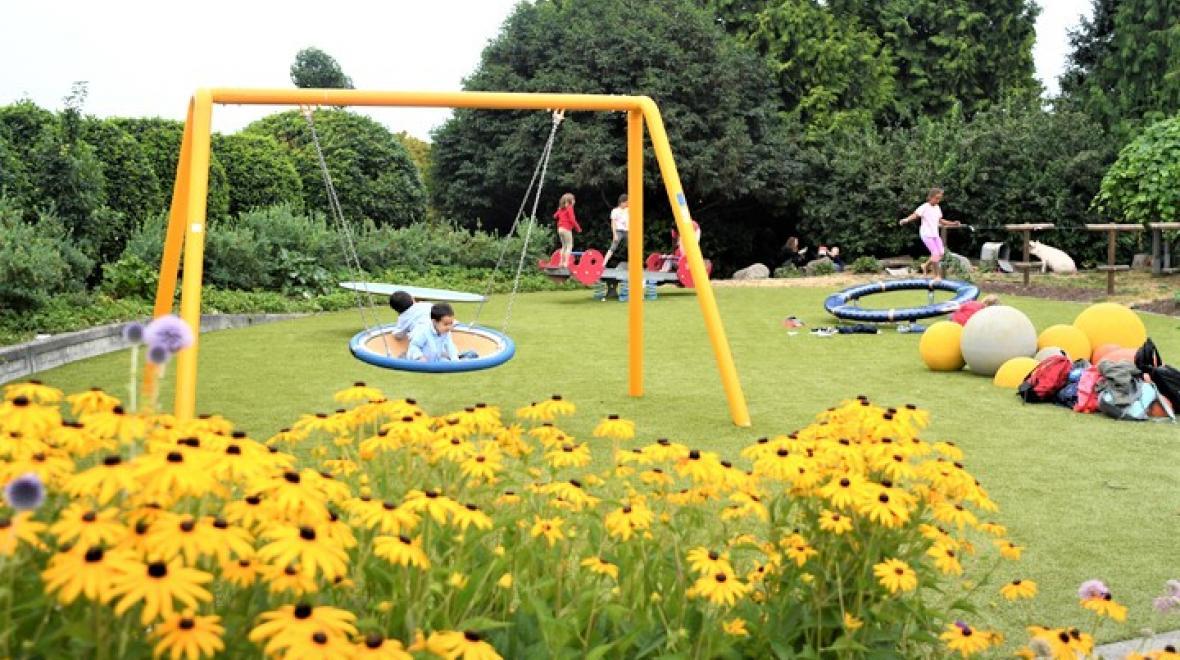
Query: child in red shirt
x=567, y=224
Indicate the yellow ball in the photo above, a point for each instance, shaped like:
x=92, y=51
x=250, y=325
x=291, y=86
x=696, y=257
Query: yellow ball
x=1068, y=338
x=1111, y=323
x=1011, y=374
x=939, y=346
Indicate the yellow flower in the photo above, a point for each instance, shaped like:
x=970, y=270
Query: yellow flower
x=157, y=585
x=505, y=581
x=310, y=548
x=555, y=406
x=80, y=524
x=705, y=561
x=21, y=415
x=92, y=401
x=84, y=570
x=467, y=645
x=945, y=559
x=1009, y=550
x=281, y=579
x=550, y=528
x=401, y=550
x=1106, y=606
x=457, y=580
x=966, y=641
x=833, y=522
x=483, y=465
x=358, y=392
x=852, y=623
x=470, y=514
x=291, y=625
x=622, y=523
x=377, y=647
x=798, y=549
x=615, y=428
x=433, y=502
x=569, y=455
x=239, y=572
x=1017, y=589
x=995, y=529
x=721, y=588
x=116, y=424
x=19, y=529
x=601, y=567
x=896, y=575
x=188, y=636
x=845, y=491
x=735, y=627
x=33, y=390
x=110, y=477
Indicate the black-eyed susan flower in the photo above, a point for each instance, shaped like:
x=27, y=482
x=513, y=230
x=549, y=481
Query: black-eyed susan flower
x=1017, y=589
x=720, y=588
x=993, y=528
x=294, y=495
x=945, y=559
x=615, y=428
x=110, y=477
x=657, y=477
x=556, y=406
x=289, y=624
x=375, y=646
x=431, y=501
x=116, y=424
x=569, y=454
x=505, y=581
x=707, y=562
x=304, y=546
x=287, y=579
x=700, y=466
x=251, y=512
x=735, y=627
x=359, y=392
x=953, y=514
x=76, y=440
x=240, y=572
x=895, y=575
x=91, y=401
x=156, y=585
x=798, y=549
x=600, y=566
x=176, y=535
x=1008, y=549
x=188, y=636
x=852, y=623
x=836, y=523
x=466, y=645
x=19, y=530
x=1105, y=605
x=623, y=522
x=572, y=493
x=88, y=571
x=80, y=524
x=511, y=441
x=386, y=517
x=845, y=491
x=965, y=640
x=401, y=550
x=550, y=528
x=33, y=390
x=484, y=464
x=21, y=415
x=471, y=515
x=176, y=474
x=664, y=450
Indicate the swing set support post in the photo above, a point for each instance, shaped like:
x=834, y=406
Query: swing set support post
x=187, y=213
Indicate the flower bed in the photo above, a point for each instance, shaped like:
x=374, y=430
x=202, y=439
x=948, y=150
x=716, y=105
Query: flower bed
x=379, y=530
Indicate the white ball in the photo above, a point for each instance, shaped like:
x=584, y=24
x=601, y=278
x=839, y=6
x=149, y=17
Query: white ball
x=996, y=334
x=1047, y=352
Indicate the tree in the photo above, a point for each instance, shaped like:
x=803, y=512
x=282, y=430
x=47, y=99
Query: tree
x=832, y=74
x=718, y=100
x=313, y=68
x=419, y=151
x=160, y=140
x=131, y=186
x=1144, y=183
x=371, y=170
x=1124, y=69
x=21, y=126
x=260, y=171
x=952, y=52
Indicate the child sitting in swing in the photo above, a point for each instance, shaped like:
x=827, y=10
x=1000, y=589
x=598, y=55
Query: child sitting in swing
x=432, y=342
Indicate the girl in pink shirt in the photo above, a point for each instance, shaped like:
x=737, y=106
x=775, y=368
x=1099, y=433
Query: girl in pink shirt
x=567, y=224
x=931, y=217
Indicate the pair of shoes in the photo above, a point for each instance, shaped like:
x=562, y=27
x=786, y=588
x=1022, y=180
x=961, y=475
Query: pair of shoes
x=824, y=332
x=910, y=328
x=793, y=322
x=858, y=329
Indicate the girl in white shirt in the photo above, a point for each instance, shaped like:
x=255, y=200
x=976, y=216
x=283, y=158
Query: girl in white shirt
x=620, y=222
x=931, y=217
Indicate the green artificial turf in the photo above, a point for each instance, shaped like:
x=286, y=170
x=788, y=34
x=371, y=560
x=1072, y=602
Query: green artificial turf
x=1090, y=497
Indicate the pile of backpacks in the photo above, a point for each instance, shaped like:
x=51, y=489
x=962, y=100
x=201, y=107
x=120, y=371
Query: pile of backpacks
x=1142, y=390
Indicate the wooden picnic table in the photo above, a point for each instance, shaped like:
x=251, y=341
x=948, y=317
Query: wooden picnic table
x=1161, y=264
x=1026, y=230
x=1112, y=230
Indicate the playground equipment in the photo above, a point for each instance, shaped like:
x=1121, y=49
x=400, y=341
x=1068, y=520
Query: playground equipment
x=1111, y=323
x=843, y=305
x=995, y=335
x=187, y=221
x=419, y=292
x=378, y=347
x=939, y=346
x=1068, y=338
x=1013, y=372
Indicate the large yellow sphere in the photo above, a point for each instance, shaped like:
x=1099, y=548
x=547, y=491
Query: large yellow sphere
x=1012, y=373
x=1068, y=338
x=1111, y=323
x=939, y=346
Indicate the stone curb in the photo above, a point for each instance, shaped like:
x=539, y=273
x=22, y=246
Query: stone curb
x=23, y=360
x=1120, y=650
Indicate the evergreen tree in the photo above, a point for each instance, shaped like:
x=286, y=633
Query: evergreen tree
x=313, y=68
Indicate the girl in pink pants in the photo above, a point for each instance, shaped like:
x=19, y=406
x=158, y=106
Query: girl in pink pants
x=931, y=216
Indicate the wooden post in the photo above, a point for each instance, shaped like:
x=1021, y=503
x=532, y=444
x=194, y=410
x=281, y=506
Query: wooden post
x=1024, y=258
x=1110, y=262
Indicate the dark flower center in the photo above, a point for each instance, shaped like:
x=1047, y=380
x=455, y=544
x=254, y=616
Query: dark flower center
x=93, y=555
x=694, y=455
x=111, y=461
x=319, y=638
x=307, y=533
x=883, y=498
x=783, y=453
x=190, y=442
x=471, y=635
x=374, y=641
x=118, y=410
x=388, y=506
x=253, y=500
x=404, y=539
x=244, y=563
x=302, y=611
x=612, y=417
x=220, y=523
x=721, y=577
x=89, y=516
x=157, y=569
x=187, y=526
x=291, y=477
x=175, y=457
x=233, y=450
x=20, y=401
x=713, y=555
x=186, y=623
x=627, y=509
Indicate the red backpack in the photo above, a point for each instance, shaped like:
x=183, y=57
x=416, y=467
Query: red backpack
x=1088, y=390
x=1042, y=385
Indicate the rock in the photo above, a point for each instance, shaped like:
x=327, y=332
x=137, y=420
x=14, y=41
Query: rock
x=811, y=265
x=753, y=272
x=1141, y=262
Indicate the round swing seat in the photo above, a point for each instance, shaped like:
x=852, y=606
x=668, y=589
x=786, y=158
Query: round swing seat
x=419, y=292
x=378, y=347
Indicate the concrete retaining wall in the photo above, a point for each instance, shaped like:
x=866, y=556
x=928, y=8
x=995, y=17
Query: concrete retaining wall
x=23, y=360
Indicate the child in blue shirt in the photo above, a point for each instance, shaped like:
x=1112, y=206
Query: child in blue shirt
x=410, y=313
x=432, y=342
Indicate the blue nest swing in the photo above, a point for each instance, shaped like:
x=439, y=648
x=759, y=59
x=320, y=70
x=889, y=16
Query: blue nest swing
x=843, y=305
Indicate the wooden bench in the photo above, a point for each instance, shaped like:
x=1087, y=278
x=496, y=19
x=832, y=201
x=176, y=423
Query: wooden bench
x=1026, y=230
x=1161, y=264
x=1112, y=230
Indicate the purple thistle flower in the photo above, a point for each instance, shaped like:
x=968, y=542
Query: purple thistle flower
x=1092, y=589
x=25, y=492
x=158, y=354
x=1173, y=587
x=170, y=332
x=1164, y=604
x=133, y=332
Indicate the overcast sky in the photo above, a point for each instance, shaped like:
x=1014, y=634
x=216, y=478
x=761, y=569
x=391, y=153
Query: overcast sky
x=144, y=58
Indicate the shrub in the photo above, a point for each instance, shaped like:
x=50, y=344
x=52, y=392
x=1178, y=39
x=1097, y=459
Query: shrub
x=36, y=260
x=261, y=173
x=788, y=271
x=129, y=277
x=865, y=265
x=1143, y=185
x=822, y=268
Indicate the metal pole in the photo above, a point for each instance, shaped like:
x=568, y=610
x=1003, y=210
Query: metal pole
x=635, y=263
